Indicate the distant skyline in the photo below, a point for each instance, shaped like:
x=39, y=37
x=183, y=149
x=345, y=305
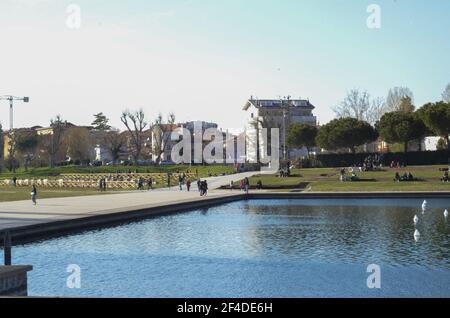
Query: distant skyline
x=203, y=59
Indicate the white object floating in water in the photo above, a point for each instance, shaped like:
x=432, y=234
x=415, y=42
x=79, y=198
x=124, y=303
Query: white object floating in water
x=416, y=219
x=424, y=205
x=446, y=213
x=416, y=234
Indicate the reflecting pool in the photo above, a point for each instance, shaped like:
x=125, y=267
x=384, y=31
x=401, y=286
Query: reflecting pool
x=256, y=248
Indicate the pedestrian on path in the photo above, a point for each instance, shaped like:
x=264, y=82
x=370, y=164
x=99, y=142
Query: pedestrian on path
x=205, y=187
x=150, y=184
x=34, y=195
x=188, y=185
x=231, y=185
x=246, y=185
x=180, y=182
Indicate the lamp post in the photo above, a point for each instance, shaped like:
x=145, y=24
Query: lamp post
x=285, y=109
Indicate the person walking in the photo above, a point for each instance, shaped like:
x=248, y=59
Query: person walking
x=199, y=185
x=246, y=185
x=205, y=188
x=231, y=185
x=201, y=188
x=34, y=194
x=180, y=182
x=188, y=185
x=150, y=184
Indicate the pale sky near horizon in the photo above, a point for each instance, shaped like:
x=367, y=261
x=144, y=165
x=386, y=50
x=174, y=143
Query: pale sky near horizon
x=203, y=59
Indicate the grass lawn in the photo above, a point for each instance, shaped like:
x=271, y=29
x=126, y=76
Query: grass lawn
x=23, y=193
x=327, y=180
x=203, y=171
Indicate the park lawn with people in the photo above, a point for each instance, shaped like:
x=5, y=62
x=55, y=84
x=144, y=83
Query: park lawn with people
x=24, y=193
x=46, y=172
x=428, y=178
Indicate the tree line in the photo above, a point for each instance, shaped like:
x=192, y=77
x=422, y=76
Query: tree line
x=362, y=120
x=64, y=142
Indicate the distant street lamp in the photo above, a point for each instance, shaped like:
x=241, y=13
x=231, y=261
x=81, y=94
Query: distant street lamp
x=285, y=110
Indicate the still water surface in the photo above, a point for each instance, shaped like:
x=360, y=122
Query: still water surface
x=256, y=248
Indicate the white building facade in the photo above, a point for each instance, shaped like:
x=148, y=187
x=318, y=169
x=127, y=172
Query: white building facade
x=275, y=113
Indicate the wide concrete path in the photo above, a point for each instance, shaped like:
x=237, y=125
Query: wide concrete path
x=23, y=213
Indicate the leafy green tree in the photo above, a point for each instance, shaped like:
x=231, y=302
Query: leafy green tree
x=301, y=135
x=401, y=127
x=442, y=144
x=100, y=122
x=437, y=118
x=345, y=133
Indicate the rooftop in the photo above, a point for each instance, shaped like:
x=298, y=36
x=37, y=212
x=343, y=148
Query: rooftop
x=258, y=103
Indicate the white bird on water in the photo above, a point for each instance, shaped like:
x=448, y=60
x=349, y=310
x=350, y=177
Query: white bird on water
x=446, y=213
x=416, y=235
x=424, y=206
x=416, y=219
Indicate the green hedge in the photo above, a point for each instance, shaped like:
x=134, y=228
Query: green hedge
x=418, y=158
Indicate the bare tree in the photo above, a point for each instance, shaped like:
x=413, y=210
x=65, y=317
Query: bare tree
x=53, y=142
x=113, y=141
x=78, y=143
x=446, y=94
x=356, y=105
x=377, y=110
x=135, y=123
x=161, y=135
x=396, y=96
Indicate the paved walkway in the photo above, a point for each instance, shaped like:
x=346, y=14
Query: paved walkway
x=23, y=213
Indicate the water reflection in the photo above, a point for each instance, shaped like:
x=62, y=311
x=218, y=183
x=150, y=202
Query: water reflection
x=353, y=233
x=257, y=248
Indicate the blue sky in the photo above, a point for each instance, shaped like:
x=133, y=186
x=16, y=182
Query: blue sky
x=203, y=59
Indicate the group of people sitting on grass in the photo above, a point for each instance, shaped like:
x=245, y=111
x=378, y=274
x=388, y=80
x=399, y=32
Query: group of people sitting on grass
x=405, y=177
x=371, y=163
x=397, y=164
x=286, y=171
x=344, y=177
